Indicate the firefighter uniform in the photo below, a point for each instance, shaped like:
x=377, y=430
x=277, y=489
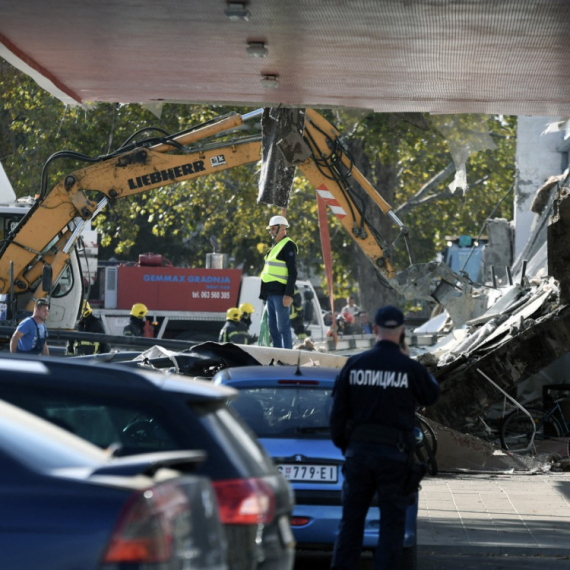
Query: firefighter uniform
x=233, y=331
x=137, y=321
x=297, y=316
x=372, y=421
x=91, y=324
x=246, y=310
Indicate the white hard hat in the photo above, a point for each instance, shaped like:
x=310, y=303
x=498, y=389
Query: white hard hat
x=278, y=221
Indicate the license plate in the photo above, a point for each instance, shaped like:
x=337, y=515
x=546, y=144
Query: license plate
x=307, y=472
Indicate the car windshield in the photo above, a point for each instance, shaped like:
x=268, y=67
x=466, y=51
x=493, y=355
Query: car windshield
x=286, y=411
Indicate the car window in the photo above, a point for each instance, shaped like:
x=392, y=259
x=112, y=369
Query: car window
x=134, y=426
x=39, y=446
x=285, y=411
x=234, y=442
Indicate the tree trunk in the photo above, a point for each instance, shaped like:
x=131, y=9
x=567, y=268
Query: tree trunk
x=374, y=292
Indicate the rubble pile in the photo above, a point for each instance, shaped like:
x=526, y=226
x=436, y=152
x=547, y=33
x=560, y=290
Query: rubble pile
x=524, y=331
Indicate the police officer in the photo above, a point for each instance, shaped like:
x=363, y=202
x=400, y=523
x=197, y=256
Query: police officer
x=88, y=323
x=278, y=282
x=137, y=320
x=372, y=421
x=232, y=331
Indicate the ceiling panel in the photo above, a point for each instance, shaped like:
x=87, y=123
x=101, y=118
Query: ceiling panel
x=439, y=56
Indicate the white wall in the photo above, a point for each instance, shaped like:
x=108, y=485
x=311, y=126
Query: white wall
x=537, y=158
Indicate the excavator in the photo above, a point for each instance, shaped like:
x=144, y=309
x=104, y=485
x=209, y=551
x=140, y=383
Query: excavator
x=36, y=254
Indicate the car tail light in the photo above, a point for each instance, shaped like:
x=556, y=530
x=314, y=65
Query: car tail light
x=300, y=521
x=245, y=501
x=144, y=532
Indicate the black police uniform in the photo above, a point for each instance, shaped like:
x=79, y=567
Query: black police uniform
x=372, y=421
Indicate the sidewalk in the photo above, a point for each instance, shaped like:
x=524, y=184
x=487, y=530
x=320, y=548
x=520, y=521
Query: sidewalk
x=500, y=514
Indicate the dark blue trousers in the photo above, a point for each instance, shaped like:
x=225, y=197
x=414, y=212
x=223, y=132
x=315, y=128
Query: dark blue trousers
x=371, y=468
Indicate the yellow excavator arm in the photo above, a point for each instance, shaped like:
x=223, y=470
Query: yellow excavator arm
x=49, y=231
x=320, y=154
x=51, y=228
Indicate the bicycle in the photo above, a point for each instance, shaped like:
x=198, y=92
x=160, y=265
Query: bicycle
x=517, y=427
x=426, y=448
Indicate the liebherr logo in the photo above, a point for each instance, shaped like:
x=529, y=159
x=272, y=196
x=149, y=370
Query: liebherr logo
x=168, y=175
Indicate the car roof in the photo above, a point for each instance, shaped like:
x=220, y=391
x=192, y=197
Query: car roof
x=75, y=371
x=250, y=375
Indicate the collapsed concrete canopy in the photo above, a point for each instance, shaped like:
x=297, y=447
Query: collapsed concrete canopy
x=521, y=334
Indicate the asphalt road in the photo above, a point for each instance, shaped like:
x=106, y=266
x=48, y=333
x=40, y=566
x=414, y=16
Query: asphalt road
x=447, y=561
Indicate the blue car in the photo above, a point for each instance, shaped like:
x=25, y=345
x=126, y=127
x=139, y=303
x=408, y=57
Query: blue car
x=288, y=408
x=66, y=505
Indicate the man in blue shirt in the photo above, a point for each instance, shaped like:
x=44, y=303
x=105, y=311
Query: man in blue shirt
x=31, y=335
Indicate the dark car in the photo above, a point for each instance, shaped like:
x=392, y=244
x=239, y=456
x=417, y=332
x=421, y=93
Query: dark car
x=131, y=411
x=65, y=504
x=288, y=408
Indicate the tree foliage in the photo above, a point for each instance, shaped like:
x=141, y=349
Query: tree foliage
x=399, y=154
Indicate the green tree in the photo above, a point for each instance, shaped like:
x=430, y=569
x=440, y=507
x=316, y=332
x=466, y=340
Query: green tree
x=409, y=162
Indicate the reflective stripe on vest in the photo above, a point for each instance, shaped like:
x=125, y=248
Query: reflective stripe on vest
x=87, y=343
x=275, y=269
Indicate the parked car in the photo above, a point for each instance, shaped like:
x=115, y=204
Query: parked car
x=65, y=504
x=288, y=408
x=131, y=411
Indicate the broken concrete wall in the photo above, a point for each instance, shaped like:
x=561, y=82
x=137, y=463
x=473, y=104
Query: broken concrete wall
x=530, y=333
x=559, y=243
x=466, y=393
x=498, y=252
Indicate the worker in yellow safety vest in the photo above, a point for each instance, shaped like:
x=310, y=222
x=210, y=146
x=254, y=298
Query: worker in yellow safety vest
x=278, y=282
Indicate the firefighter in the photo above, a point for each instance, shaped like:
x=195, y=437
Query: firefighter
x=92, y=324
x=298, y=315
x=232, y=331
x=247, y=310
x=136, y=321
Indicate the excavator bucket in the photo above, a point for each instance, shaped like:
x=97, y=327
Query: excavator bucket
x=277, y=172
